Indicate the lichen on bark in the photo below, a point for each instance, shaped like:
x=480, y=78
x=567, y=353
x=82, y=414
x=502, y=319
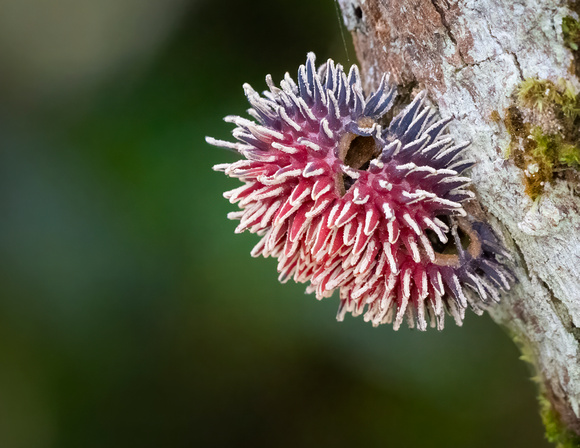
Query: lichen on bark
x=472, y=57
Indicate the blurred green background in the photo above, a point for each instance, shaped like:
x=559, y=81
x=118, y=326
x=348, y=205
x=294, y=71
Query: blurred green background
x=130, y=313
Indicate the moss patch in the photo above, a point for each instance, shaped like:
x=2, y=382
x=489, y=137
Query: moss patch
x=556, y=432
x=571, y=32
x=552, y=149
x=544, y=126
x=571, y=35
x=542, y=94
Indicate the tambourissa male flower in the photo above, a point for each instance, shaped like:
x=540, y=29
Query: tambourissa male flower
x=347, y=203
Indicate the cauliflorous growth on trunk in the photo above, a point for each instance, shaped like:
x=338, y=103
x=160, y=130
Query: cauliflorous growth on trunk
x=345, y=202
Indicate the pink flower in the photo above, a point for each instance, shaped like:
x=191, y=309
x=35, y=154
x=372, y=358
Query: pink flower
x=345, y=204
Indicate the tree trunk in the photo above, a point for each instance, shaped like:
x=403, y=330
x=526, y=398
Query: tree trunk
x=471, y=57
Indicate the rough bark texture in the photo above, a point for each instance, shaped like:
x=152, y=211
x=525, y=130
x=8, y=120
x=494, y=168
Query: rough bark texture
x=470, y=56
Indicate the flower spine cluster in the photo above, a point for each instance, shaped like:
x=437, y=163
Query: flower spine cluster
x=345, y=203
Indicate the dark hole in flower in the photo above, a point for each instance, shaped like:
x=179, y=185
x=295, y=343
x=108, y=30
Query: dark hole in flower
x=360, y=152
x=347, y=182
x=356, y=151
x=358, y=12
x=464, y=238
x=437, y=245
x=480, y=272
x=448, y=248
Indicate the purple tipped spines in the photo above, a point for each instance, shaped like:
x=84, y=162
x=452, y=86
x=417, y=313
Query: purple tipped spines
x=347, y=204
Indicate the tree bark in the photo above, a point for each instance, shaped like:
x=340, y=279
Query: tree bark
x=471, y=56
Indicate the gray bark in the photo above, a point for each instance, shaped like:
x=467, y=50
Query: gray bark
x=470, y=56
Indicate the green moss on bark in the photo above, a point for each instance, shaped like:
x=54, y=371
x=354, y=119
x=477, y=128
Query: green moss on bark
x=571, y=32
x=556, y=431
x=544, y=127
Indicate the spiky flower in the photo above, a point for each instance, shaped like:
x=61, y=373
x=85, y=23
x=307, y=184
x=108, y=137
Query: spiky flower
x=344, y=203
